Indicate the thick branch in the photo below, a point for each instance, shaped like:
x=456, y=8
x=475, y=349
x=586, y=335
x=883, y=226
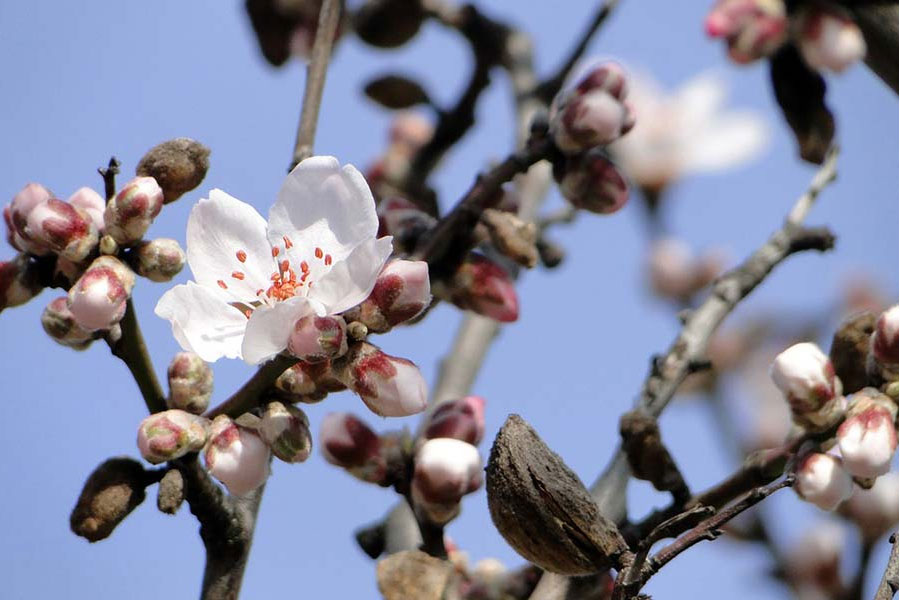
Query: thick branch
x=248, y=397
x=888, y=586
x=130, y=347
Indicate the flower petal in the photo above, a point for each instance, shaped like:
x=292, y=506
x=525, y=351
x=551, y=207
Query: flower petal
x=351, y=281
x=221, y=231
x=202, y=322
x=323, y=205
x=269, y=328
x=726, y=142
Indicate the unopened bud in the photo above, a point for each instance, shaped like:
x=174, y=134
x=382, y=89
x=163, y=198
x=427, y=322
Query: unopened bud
x=91, y=203
x=349, y=443
x=462, y=419
x=806, y=377
x=190, y=383
x=129, y=214
x=822, y=480
x=308, y=382
x=16, y=217
x=390, y=386
x=178, y=166
x=18, y=284
x=593, y=112
x=171, y=492
x=401, y=292
x=816, y=557
x=98, y=299
x=63, y=228
x=403, y=220
x=867, y=437
x=60, y=325
x=236, y=456
x=886, y=337
x=314, y=339
x=484, y=287
x=285, y=429
x=158, y=260
x=753, y=29
x=170, y=434
x=874, y=510
x=828, y=39
x=410, y=131
x=108, y=245
x=513, y=237
x=111, y=492
x=446, y=470
x=591, y=182
x=676, y=273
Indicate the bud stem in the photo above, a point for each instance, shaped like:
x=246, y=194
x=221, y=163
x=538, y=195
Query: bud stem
x=248, y=396
x=130, y=347
x=109, y=177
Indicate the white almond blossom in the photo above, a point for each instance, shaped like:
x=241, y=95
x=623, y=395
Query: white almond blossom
x=685, y=132
x=253, y=280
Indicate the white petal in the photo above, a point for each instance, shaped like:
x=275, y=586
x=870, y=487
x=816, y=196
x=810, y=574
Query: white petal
x=270, y=327
x=351, y=281
x=699, y=99
x=220, y=228
x=323, y=205
x=202, y=322
x=726, y=142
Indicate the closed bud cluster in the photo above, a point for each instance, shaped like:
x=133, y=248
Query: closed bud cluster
x=874, y=510
x=190, y=383
x=404, y=221
x=308, y=382
x=594, y=112
x=461, y=419
x=178, y=166
x=822, y=480
x=236, y=456
x=867, y=437
x=158, y=260
x=16, y=217
x=806, y=378
x=91, y=203
x=315, y=338
x=60, y=325
x=349, y=443
x=285, y=429
x=62, y=228
x=98, y=299
x=676, y=273
x=111, y=492
x=484, y=287
x=171, y=434
x=129, y=214
x=885, y=340
x=813, y=562
x=17, y=283
x=753, y=29
x=591, y=182
x=401, y=292
x=389, y=386
x=446, y=469
x=828, y=39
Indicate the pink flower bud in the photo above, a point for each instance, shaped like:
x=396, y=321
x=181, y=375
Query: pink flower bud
x=462, y=419
x=753, y=29
x=816, y=557
x=98, y=299
x=593, y=112
x=16, y=217
x=308, y=382
x=349, y=443
x=401, y=292
x=410, y=131
x=446, y=470
x=314, y=338
x=158, y=260
x=390, y=386
x=828, y=39
x=285, y=429
x=482, y=286
x=60, y=325
x=236, y=456
x=822, y=480
x=91, y=203
x=170, y=434
x=874, y=510
x=63, y=228
x=129, y=214
x=885, y=342
x=590, y=182
x=806, y=377
x=608, y=77
x=190, y=383
x=18, y=284
x=867, y=437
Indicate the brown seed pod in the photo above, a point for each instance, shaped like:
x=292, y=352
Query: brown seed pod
x=111, y=492
x=178, y=166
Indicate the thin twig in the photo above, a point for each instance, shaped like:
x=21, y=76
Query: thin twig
x=109, y=177
x=315, y=80
x=130, y=347
x=888, y=586
x=248, y=397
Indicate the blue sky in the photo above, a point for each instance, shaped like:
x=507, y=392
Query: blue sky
x=87, y=80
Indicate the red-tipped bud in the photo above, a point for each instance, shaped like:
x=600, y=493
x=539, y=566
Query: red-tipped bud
x=815, y=560
x=874, y=510
x=158, y=260
x=17, y=282
x=91, y=203
x=129, y=214
x=349, y=443
x=390, y=386
x=60, y=325
x=591, y=182
x=608, y=77
x=484, y=287
x=409, y=132
x=308, y=382
x=62, y=228
x=170, y=434
x=98, y=299
x=16, y=217
x=885, y=338
x=404, y=221
x=867, y=437
x=806, y=377
x=285, y=429
x=236, y=456
x=822, y=480
x=753, y=29
x=190, y=383
x=829, y=39
x=446, y=470
x=315, y=339
x=462, y=419
x=401, y=292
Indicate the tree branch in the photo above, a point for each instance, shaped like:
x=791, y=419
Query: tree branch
x=878, y=23
x=248, y=397
x=130, y=347
x=888, y=586
x=109, y=177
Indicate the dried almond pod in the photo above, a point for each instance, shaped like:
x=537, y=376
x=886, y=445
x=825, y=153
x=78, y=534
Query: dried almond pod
x=114, y=489
x=177, y=165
